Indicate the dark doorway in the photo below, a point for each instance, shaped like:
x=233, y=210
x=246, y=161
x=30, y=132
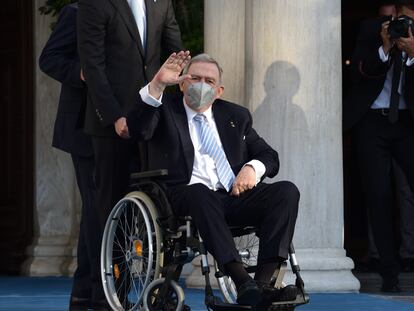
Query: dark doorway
x=16, y=133
x=353, y=13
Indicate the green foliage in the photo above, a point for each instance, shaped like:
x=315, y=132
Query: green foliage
x=190, y=17
x=53, y=7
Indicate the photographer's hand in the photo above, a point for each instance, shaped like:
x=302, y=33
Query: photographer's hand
x=387, y=42
x=407, y=44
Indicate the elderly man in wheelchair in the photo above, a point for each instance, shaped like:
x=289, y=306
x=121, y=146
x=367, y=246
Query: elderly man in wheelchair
x=202, y=193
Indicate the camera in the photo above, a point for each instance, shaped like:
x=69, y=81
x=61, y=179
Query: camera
x=399, y=27
x=385, y=18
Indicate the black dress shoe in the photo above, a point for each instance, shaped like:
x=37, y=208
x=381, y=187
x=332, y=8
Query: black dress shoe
x=390, y=285
x=386, y=288
x=407, y=264
x=101, y=306
x=272, y=294
x=249, y=293
x=79, y=304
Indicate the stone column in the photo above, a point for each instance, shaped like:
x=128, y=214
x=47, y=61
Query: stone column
x=56, y=206
x=292, y=85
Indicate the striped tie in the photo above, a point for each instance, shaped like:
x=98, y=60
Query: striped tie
x=210, y=146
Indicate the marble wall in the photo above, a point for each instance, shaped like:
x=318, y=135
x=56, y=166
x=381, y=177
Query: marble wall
x=57, y=202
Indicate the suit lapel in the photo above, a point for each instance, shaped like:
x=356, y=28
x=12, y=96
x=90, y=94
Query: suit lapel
x=180, y=118
x=227, y=128
x=125, y=11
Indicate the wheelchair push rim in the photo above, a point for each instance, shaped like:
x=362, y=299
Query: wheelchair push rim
x=131, y=254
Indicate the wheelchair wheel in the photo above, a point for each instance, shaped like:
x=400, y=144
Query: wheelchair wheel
x=174, y=298
x=248, y=247
x=131, y=253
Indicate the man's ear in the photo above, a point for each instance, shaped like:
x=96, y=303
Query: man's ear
x=220, y=91
x=181, y=86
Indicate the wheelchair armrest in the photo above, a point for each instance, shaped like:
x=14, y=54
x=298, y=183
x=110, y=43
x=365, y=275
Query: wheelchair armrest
x=149, y=174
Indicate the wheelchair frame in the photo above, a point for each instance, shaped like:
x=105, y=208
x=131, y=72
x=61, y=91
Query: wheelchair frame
x=159, y=291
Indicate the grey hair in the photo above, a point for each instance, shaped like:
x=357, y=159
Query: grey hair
x=204, y=58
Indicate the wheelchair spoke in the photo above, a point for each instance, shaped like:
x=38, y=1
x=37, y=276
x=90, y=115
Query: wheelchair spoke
x=128, y=240
x=131, y=244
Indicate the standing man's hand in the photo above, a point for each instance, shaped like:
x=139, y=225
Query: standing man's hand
x=387, y=42
x=407, y=44
x=245, y=180
x=82, y=77
x=121, y=128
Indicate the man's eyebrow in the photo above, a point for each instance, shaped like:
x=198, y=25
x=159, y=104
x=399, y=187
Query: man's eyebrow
x=199, y=76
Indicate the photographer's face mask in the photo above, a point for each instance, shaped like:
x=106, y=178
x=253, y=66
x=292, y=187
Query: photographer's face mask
x=200, y=95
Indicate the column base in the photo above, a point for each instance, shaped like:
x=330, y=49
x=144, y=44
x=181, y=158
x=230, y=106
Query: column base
x=51, y=256
x=325, y=270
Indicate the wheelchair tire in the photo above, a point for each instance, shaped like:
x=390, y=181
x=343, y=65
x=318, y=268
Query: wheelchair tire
x=175, y=300
x=131, y=253
x=248, y=247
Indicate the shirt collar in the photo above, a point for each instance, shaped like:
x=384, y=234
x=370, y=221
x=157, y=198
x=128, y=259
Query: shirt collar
x=191, y=113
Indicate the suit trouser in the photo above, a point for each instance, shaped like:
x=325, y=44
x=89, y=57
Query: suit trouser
x=113, y=165
x=89, y=242
x=272, y=208
x=405, y=199
x=406, y=205
x=378, y=142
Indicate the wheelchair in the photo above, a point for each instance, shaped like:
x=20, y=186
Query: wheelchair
x=144, y=249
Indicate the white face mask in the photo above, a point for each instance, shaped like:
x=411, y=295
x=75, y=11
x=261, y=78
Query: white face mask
x=199, y=95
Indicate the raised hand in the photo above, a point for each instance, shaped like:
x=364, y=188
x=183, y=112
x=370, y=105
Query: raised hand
x=387, y=42
x=169, y=73
x=407, y=44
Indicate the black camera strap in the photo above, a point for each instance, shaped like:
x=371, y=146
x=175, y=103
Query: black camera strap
x=395, y=95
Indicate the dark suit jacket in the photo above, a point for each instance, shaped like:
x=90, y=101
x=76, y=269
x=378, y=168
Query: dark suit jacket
x=114, y=61
x=369, y=74
x=60, y=60
x=170, y=147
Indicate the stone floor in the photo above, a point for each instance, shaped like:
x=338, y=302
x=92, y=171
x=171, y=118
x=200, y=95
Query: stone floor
x=52, y=294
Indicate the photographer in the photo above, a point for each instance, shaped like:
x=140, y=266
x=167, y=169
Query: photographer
x=380, y=109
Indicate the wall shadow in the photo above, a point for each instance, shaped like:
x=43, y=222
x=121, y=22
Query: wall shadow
x=280, y=120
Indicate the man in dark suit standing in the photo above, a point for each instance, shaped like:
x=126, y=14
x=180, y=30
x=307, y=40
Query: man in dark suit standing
x=380, y=108
x=215, y=163
x=60, y=60
x=120, y=44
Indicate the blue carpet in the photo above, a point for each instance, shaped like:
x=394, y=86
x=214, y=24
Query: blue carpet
x=52, y=294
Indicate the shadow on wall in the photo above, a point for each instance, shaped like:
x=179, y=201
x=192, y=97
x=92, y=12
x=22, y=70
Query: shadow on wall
x=280, y=121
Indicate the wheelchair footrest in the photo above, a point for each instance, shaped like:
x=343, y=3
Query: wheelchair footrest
x=281, y=305
x=216, y=304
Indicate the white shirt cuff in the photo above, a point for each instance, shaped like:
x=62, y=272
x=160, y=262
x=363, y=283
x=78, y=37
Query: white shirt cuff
x=148, y=98
x=258, y=167
x=410, y=62
x=382, y=55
